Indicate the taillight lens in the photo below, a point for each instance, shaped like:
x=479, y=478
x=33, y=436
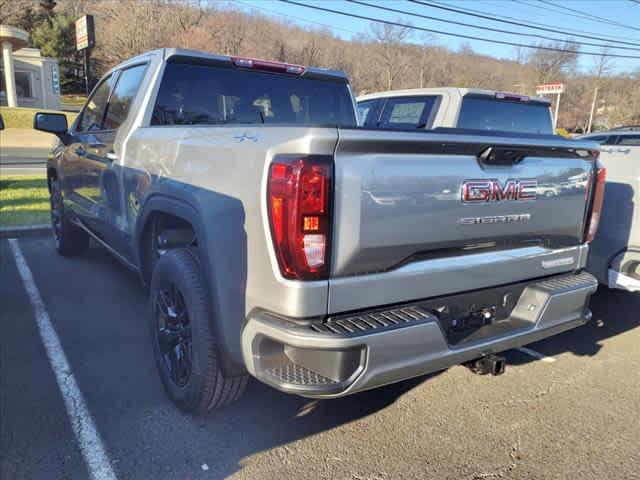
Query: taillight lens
x=299, y=206
x=596, y=205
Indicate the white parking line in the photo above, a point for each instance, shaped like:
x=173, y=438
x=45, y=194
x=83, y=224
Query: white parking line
x=87, y=436
x=534, y=354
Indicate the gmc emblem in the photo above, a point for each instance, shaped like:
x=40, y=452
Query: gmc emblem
x=484, y=191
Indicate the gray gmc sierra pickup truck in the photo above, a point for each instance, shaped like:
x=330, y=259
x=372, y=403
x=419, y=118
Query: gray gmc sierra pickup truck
x=281, y=240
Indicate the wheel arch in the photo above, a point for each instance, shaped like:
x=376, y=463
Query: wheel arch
x=160, y=204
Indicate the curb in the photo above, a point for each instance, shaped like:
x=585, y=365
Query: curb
x=25, y=231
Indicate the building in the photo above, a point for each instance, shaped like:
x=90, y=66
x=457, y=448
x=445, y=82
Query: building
x=27, y=79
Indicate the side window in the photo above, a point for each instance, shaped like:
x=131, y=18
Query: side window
x=407, y=113
x=122, y=96
x=364, y=109
x=631, y=140
x=94, y=109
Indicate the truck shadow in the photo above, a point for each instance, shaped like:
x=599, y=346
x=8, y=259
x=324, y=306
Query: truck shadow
x=265, y=419
x=587, y=340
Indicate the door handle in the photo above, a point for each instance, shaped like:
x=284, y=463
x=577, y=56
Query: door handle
x=112, y=156
x=606, y=150
x=81, y=152
x=623, y=150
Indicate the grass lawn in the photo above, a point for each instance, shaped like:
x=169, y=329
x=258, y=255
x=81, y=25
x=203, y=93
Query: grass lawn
x=24, y=200
x=76, y=100
x=20, y=117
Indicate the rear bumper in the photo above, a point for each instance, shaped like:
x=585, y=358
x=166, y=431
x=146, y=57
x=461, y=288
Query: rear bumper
x=622, y=282
x=371, y=349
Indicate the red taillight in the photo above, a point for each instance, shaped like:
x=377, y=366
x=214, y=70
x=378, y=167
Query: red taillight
x=596, y=205
x=266, y=65
x=298, y=202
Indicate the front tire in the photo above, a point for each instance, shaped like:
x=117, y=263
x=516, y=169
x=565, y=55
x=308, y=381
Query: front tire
x=70, y=240
x=184, y=343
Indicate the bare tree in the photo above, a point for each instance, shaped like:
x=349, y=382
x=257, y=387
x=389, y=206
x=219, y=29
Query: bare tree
x=520, y=55
x=602, y=67
x=550, y=65
x=12, y=10
x=383, y=59
x=603, y=64
x=427, y=39
x=386, y=41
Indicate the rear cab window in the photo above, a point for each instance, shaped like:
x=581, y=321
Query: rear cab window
x=401, y=113
x=483, y=112
x=408, y=112
x=192, y=94
x=629, y=140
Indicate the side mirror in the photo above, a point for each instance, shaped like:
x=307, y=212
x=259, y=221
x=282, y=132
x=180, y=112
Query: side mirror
x=55, y=123
x=1, y=123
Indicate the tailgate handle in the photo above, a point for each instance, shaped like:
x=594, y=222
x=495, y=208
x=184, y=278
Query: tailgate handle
x=510, y=155
x=501, y=156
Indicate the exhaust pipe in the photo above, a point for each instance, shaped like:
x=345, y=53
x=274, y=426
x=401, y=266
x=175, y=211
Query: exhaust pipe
x=493, y=364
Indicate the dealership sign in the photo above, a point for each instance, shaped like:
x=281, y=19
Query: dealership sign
x=85, y=35
x=549, y=88
x=55, y=79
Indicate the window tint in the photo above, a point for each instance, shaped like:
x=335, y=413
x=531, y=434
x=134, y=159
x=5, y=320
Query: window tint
x=407, y=113
x=364, y=108
x=122, y=96
x=195, y=94
x=486, y=113
x=633, y=140
x=94, y=109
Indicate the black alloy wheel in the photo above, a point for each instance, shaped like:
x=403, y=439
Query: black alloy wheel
x=55, y=200
x=174, y=334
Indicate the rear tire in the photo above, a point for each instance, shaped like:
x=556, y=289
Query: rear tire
x=70, y=240
x=184, y=342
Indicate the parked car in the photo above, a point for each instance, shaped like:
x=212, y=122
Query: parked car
x=549, y=189
x=280, y=240
x=615, y=252
x=450, y=107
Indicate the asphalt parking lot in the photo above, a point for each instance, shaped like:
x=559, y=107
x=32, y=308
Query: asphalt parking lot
x=575, y=413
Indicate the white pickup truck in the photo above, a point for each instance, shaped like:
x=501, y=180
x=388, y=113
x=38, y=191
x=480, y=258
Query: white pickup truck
x=615, y=256
x=450, y=107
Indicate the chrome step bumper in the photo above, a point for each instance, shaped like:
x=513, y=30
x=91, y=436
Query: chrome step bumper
x=350, y=353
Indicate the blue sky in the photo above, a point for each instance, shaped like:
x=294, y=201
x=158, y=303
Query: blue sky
x=551, y=14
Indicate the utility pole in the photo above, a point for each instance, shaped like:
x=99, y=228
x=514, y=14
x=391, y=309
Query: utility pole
x=85, y=40
x=593, y=108
x=87, y=70
x=555, y=117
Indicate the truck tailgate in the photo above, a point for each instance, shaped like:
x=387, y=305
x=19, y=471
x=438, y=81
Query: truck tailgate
x=399, y=198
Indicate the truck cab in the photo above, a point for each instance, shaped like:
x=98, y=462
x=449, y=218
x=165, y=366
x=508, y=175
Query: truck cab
x=451, y=107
